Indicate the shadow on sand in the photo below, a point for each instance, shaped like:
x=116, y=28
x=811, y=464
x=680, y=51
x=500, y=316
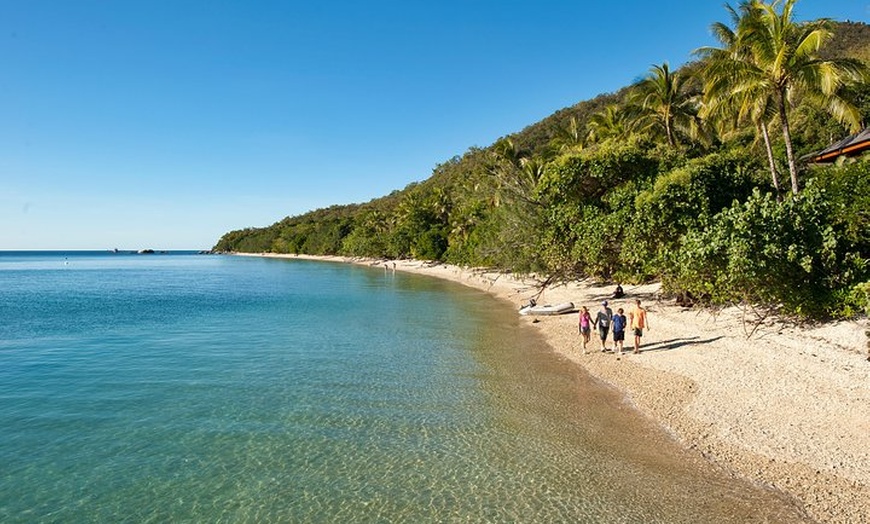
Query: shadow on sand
x=674, y=343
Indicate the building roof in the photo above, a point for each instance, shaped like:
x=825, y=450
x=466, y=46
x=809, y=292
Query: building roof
x=849, y=146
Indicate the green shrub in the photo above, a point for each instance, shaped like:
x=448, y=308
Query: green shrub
x=681, y=200
x=786, y=254
x=430, y=245
x=857, y=301
x=847, y=187
x=585, y=177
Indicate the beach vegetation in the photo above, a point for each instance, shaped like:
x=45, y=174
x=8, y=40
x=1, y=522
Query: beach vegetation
x=696, y=177
x=665, y=105
x=769, y=62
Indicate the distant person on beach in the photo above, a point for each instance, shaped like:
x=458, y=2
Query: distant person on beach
x=585, y=326
x=639, y=322
x=602, y=322
x=619, y=323
x=618, y=292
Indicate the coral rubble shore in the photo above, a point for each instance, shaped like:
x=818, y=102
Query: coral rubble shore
x=788, y=407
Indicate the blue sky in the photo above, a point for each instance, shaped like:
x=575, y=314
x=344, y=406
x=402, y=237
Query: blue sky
x=165, y=124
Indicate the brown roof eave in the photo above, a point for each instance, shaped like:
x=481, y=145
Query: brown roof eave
x=851, y=149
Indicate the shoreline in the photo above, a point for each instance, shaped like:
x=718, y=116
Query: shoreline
x=788, y=408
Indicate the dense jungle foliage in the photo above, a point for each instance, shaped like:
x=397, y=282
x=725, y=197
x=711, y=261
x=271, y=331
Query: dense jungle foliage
x=697, y=177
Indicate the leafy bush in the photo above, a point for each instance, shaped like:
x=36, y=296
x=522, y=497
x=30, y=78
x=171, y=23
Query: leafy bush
x=364, y=241
x=251, y=240
x=679, y=201
x=857, y=302
x=582, y=229
x=786, y=254
x=512, y=239
x=848, y=189
x=430, y=245
x=585, y=177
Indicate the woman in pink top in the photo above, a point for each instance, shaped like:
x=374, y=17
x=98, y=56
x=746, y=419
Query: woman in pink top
x=585, y=326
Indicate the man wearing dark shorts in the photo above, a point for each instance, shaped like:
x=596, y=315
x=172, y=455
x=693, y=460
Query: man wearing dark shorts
x=602, y=322
x=619, y=322
x=639, y=322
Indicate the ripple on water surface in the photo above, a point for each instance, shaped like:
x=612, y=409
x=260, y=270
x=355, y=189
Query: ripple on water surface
x=248, y=390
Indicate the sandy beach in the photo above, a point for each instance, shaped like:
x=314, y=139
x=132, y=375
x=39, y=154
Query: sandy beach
x=787, y=408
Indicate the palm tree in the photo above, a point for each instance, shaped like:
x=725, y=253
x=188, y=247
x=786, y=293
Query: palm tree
x=569, y=137
x=517, y=175
x=721, y=101
x=610, y=122
x=441, y=204
x=778, y=62
x=665, y=103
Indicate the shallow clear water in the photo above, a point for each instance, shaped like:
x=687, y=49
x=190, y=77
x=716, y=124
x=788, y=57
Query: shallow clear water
x=179, y=387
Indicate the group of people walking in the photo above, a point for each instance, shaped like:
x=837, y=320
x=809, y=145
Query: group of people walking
x=605, y=322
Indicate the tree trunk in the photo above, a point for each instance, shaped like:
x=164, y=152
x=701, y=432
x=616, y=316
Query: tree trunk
x=786, y=133
x=668, y=131
x=773, y=173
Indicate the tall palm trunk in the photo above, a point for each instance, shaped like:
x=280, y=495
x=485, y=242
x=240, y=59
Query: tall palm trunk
x=769, y=149
x=786, y=134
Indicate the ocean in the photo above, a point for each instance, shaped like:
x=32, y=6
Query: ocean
x=179, y=387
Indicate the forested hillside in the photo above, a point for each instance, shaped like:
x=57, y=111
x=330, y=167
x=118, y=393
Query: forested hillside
x=696, y=177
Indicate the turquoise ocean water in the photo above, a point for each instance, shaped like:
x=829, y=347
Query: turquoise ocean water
x=189, y=388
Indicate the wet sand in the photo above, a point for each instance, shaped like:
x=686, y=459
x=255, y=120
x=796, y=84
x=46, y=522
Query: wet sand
x=787, y=408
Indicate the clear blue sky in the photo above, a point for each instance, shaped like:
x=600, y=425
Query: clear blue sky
x=164, y=124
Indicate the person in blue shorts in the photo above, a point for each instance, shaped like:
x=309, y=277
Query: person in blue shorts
x=619, y=323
